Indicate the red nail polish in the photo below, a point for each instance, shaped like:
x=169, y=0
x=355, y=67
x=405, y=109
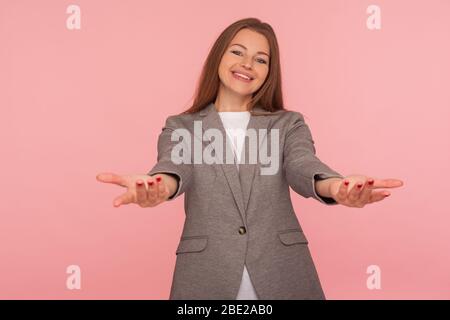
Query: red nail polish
x=371, y=182
x=359, y=185
x=346, y=183
x=158, y=179
x=150, y=183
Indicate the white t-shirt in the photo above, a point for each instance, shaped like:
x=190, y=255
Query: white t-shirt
x=235, y=124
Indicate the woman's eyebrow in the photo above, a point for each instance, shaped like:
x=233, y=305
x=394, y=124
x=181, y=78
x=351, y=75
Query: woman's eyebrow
x=259, y=52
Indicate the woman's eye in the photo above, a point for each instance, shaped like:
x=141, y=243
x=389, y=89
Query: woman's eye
x=259, y=60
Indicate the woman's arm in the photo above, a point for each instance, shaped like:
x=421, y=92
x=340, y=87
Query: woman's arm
x=323, y=187
x=306, y=174
x=310, y=177
x=165, y=181
x=181, y=172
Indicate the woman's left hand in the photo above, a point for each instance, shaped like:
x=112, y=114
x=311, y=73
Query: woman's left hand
x=360, y=190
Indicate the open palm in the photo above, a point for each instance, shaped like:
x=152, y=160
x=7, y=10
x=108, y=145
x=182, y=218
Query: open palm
x=142, y=189
x=359, y=190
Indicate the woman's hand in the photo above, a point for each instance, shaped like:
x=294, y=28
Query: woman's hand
x=160, y=188
x=360, y=190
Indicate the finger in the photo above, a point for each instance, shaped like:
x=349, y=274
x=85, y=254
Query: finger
x=366, y=192
x=109, y=177
x=343, y=190
x=353, y=195
x=125, y=198
x=151, y=191
x=141, y=192
x=378, y=196
x=388, y=183
x=161, y=187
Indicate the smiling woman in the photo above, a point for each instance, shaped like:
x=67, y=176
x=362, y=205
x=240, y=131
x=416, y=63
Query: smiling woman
x=246, y=59
x=241, y=74
x=241, y=238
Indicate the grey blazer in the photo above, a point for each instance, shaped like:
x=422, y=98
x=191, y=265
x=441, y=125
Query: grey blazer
x=235, y=217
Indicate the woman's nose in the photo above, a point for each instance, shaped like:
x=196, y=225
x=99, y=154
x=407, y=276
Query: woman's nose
x=246, y=64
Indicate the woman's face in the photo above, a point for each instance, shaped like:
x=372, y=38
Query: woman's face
x=248, y=54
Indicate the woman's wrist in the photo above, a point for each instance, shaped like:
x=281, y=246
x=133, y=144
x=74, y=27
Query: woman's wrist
x=327, y=187
x=333, y=186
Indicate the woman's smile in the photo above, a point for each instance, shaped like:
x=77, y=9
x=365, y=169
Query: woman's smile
x=241, y=78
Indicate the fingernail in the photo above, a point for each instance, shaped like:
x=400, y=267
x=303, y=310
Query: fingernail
x=387, y=195
x=150, y=183
x=346, y=183
x=370, y=182
x=139, y=182
x=158, y=179
x=359, y=185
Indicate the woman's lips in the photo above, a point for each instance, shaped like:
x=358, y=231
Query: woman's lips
x=239, y=78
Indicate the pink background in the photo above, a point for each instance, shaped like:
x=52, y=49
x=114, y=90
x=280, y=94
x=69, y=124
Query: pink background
x=78, y=102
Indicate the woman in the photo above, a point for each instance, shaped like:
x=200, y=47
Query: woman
x=241, y=237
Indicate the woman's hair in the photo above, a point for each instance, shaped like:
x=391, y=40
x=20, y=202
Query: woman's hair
x=269, y=96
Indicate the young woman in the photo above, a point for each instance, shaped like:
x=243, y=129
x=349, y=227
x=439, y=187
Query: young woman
x=241, y=238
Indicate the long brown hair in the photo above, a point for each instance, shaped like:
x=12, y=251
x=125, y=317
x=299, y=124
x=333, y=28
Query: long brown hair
x=269, y=96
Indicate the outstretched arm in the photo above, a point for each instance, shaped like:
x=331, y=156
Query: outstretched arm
x=310, y=177
x=165, y=181
x=305, y=173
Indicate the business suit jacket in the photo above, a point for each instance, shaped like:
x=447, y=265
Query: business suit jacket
x=235, y=217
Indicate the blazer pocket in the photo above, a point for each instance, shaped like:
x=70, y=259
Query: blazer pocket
x=290, y=237
x=192, y=244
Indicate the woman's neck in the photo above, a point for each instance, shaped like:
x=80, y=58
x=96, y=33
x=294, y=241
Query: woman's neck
x=231, y=105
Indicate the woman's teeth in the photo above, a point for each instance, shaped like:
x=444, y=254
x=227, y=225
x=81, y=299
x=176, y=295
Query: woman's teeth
x=241, y=77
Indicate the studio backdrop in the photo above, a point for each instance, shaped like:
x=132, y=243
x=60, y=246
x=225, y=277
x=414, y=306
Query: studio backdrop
x=86, y=87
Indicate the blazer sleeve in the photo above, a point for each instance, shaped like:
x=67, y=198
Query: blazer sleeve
x=302, y=167
x=182, y=172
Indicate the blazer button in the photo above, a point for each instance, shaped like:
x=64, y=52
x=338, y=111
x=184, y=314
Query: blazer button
x=242, y=230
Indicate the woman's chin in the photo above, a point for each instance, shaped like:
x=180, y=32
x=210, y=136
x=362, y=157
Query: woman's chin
x=241, y=92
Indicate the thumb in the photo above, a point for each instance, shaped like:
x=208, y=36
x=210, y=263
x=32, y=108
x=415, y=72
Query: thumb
x=125, y=198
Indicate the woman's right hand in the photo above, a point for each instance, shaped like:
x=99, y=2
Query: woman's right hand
x=157, y=192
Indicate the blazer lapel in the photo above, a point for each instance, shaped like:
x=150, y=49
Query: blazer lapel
x=241, y=181
x=247, y=170
x=211, y=119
